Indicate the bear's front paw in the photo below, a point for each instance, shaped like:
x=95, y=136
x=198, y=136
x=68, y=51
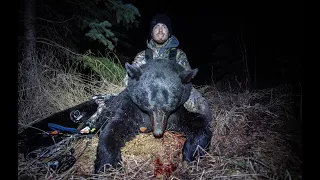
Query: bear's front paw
x=191, y=151
x=188, y=153
x=107, y=161
x=106, y=168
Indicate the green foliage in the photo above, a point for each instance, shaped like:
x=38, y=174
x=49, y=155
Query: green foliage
x=127, y=14
x=102, y=33
x=108, y=68
x=103, y=21
x=115, y=13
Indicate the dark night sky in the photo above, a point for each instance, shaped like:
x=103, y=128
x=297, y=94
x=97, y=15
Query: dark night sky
x=277, y=29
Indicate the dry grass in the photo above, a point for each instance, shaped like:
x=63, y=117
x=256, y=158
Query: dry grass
x=47, y=86
x=253, y=136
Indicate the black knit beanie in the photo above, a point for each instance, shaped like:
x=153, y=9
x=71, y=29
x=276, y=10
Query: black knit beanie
x=161, y=18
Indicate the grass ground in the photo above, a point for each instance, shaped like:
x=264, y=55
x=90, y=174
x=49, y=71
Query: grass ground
x=256, y=135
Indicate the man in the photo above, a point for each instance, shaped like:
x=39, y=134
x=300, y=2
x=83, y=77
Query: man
x=160, y=43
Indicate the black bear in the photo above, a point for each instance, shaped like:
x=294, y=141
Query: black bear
x=153, y=99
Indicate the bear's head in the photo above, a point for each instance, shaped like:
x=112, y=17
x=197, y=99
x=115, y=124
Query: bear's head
x=158, y=88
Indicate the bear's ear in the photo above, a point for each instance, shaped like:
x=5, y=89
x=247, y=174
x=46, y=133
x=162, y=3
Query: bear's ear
x=133, y=72
x=187, y=75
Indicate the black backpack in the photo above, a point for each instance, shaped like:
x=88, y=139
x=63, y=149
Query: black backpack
x=172, y=54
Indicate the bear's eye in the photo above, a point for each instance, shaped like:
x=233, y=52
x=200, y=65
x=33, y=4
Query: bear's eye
x=165, y=95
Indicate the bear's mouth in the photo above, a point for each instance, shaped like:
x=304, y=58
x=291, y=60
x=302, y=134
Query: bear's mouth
x=158, y=123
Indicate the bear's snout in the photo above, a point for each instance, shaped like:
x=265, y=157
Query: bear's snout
x=158, y=121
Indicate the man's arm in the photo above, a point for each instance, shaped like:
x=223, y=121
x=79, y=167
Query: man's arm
x=182, y=59
x=139, y=59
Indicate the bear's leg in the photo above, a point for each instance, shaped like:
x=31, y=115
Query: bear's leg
x=198, y=133
x=112, y=137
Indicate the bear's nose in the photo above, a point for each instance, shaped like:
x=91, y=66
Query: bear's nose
x=157, y=133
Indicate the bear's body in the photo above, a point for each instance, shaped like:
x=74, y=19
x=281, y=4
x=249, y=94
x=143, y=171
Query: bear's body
x=153, y=99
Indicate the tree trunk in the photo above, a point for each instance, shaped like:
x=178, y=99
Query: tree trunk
x=255, y=64
x=243, y=49
x=30, y=30
x=27, y=64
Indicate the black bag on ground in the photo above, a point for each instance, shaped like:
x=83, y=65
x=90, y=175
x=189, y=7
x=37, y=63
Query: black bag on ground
x=68, y=121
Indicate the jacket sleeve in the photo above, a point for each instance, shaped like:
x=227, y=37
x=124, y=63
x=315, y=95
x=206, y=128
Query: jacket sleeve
x=137, y=61
x=182, y=59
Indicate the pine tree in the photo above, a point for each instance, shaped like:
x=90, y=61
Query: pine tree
x=74, y=23
x=116, y=14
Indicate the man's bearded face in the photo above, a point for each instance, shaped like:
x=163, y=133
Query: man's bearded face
x=160, y=33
